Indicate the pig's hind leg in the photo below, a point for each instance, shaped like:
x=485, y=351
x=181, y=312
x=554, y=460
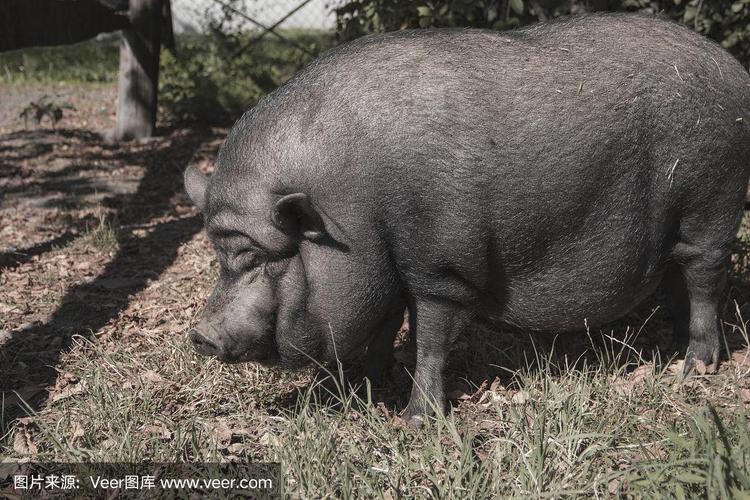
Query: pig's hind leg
x=697, y=280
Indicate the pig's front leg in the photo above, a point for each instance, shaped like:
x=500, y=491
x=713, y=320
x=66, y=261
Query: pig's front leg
x=435, y=323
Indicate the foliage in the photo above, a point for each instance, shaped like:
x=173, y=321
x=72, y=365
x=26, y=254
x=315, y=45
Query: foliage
x=44, y=108
x=726, y=21
x=218, y=75
x=215, y=77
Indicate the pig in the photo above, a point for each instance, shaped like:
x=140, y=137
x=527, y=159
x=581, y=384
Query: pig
x=546, y=178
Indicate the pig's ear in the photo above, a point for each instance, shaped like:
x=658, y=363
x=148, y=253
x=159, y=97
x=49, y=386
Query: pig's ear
x=195, y=186
x=294, y=213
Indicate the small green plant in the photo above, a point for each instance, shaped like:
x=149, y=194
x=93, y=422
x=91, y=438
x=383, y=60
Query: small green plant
x=105, y=236
x=44, y=107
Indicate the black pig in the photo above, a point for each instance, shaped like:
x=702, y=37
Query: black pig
x=541, y=177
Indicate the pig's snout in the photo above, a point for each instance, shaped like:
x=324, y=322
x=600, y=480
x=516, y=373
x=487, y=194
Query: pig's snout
x=232, y=347
x=202, y=344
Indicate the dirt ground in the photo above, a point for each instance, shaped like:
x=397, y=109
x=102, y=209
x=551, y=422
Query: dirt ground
x=86, y=228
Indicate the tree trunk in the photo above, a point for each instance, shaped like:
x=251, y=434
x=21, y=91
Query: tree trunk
x=139, y=72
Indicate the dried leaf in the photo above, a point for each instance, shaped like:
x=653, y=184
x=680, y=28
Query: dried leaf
x=159, y=430
x=66, y=392
x=222, y=434
x=623, y=386
x=520, y=397
x=399, y=423
x=5, y=336
x=676, y=367
x=699, y=367
x=152, y=376
x=23, y=444
x=741, y=358
x=268, y=439
x=77, y=432
x=641, y=373
x=383, y=409
x=236, y=448
x=497, y=385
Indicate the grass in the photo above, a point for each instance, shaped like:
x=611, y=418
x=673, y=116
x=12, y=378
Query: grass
x=547, y=430
x=89, y=61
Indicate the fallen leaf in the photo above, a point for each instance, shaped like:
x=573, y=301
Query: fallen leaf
x=268, y=439
x=745, y=395
x=5, y=336
x=641, y=373
x=742, y=358
x=23, y=444
x=236, y=448
x=676, y=367
x=699, y=367
x=623, y=387
x=617, y=487
x=152, y=376
x=66, y=392
x=383, y=409
x=222, y=434
x=520, y=397
x=497, y=385
x=77, y=432
x=159, y=430
x=398, y=422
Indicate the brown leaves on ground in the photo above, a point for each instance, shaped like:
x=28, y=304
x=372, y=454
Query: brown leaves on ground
x=67, y=385
x=23, y=442
x=741, y=358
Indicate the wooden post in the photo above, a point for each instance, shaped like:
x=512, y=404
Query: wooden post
x=139, y=72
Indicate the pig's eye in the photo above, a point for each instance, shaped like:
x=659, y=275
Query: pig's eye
x=245, y=259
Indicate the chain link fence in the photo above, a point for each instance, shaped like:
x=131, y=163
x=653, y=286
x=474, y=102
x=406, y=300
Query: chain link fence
x=191, y=15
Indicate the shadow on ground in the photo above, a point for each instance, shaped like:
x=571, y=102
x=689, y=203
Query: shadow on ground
x=28, y=360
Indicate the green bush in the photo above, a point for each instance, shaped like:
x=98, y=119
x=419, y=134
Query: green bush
x=215, y=77
x=726, y=21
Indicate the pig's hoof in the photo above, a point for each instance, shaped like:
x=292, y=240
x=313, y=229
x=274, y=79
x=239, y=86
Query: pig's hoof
x=701, y=358
x=414, y=422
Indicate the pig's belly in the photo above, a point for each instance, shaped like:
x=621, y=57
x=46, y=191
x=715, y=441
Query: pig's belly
x=557, y=300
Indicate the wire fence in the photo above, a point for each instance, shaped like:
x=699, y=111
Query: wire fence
x=191, y=15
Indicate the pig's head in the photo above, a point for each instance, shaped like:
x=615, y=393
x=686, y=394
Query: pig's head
x=257, y=312
x=287, y=288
